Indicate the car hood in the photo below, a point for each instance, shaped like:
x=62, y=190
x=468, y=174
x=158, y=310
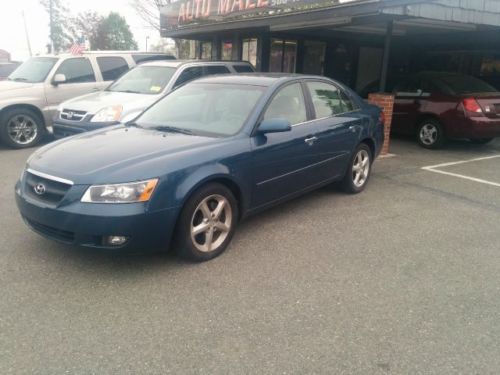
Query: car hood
x=94, y=102
x=9, y=88
x=116, y=154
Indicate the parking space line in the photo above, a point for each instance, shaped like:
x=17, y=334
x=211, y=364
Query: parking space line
x=433, y=168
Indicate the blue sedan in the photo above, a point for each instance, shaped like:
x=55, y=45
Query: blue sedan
x=198, y=161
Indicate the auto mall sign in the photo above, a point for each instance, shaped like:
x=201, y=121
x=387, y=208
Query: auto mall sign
x=181, y=13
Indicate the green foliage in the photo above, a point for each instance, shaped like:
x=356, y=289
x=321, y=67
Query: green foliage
x=113, y=33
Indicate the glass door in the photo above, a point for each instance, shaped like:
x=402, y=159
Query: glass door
x=283, y=55
x=314, y=58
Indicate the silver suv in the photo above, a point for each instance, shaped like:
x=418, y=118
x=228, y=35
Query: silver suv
x=133, y=92
x=31, y=94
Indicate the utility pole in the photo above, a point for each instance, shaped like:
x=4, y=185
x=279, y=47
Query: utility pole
x=51, y=15
x=27, y=35
x=147, y=43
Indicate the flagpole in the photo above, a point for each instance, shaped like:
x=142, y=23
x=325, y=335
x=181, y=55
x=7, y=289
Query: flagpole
x=51, y=11
x=27, y=35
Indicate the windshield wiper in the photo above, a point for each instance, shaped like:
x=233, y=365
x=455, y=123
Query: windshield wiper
x=19, y=79
x=134, y=124
x=172, y=129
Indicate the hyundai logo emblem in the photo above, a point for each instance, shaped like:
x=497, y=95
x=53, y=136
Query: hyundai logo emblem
x=39, y=189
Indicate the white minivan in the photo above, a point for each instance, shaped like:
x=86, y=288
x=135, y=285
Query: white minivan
x=135, y=91
x=31, y=94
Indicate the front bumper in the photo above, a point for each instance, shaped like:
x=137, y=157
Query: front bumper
x=87, y=224
x=64, y=128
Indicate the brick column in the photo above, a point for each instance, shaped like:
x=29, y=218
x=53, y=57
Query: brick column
x=386, y=103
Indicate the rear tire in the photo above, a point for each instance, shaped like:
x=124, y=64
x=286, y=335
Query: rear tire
x=481, y=141
x=358, y=172
x=207, y=223
x=430, y=134
x=21, y=128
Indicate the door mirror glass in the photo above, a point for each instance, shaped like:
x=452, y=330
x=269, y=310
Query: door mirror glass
x=275, y=125
x=59, y=78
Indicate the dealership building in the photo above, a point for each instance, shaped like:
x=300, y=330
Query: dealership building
x=362, y=43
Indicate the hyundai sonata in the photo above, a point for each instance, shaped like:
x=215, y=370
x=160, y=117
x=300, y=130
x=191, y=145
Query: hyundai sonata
x=198, y=161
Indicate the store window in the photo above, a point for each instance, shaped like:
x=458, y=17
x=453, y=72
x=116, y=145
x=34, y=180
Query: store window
x=283, y=56
x=226, y=50
x=206, y=50
x=314, y=58
x=249, y=50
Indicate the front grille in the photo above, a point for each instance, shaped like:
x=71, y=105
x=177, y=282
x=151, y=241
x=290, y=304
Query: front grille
x=58, y=234
x=72, y=115
x=45, y=189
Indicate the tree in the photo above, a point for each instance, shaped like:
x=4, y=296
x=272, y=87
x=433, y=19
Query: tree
x=85, y=24
x=149, y=11
x=58, y=33
x=113, y=33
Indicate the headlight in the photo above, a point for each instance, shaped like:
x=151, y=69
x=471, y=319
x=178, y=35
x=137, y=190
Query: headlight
x=120, y=193
x=108, y=114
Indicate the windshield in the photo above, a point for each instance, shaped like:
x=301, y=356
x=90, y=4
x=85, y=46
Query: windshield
x=466, y=84
x=34, y=70
x=203, y=108
x=144, y=80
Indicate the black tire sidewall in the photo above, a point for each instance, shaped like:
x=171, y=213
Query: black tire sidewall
x=5, y=118
x=182, y=241
x=347, y=182
x=440, y=137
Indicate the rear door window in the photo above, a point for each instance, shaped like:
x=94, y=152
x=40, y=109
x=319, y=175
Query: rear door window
x=327, y=99
x=189, y=74
x=112, y=67
x=77, y=70
x=216, y=69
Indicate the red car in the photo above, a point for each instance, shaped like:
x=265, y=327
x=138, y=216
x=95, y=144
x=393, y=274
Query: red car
x=437, y=106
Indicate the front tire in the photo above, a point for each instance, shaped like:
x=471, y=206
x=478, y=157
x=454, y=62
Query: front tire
x=359, y=170
x=430, y=134
x=21, y=128
x=207, y=223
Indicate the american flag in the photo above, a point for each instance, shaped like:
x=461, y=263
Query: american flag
x=78, y=46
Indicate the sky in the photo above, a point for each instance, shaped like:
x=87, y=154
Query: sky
x=13, y=37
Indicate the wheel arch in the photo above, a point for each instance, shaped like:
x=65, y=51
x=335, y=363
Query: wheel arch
x=371, y=144
x=429, y=116
x=226, y=180
x=31, y=107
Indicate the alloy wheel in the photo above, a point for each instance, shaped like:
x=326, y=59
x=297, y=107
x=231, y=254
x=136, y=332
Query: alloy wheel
x=360, y=168
x=211, y=223
x=428, y=134
x=22, y=129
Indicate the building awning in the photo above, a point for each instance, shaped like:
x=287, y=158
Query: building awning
x=198, y=18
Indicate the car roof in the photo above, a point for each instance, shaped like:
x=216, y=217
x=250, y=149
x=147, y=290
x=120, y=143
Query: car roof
x=256, y=79
x=177, y=63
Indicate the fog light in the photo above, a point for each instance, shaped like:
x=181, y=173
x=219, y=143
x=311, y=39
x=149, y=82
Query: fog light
x=115, y=240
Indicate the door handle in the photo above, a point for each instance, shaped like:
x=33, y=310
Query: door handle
x=310, y=141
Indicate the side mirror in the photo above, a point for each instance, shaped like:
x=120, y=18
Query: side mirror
x=274, y=125
x=58, y=78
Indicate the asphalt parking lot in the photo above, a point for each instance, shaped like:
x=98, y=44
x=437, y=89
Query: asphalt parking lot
x=402, y=279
